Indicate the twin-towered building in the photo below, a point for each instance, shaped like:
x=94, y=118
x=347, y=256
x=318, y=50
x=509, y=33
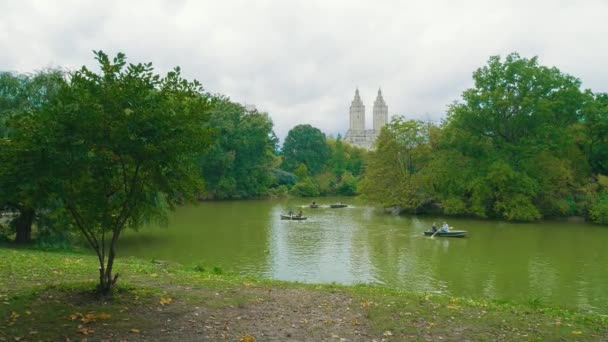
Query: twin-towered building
x=357, y=134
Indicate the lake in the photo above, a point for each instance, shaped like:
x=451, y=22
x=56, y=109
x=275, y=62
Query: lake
x=558, y=263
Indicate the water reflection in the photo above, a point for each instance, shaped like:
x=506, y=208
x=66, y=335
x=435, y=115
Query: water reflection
x=559, y=263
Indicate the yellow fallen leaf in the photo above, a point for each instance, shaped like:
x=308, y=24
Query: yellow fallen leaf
x=577, y=332
x=246, y=338
x=88, y=318
x=104, y=315
x=165, y=300
x=135, y=331
x=86, y=331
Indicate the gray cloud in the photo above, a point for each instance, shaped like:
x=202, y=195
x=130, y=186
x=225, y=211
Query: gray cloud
x=301, y=60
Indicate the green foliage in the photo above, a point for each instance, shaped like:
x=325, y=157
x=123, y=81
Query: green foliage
x=395, y=173
x=507, y=149
x=118, y=148
x=305, y=187
x=599, y=212
x=301, y=171
x=239, y=163
x=21, y=99
x=279, y=191
x=524, y=143
x=217, y=270
x=593, y=131
x=505, y=193
x=347, y=185
x=336, y=166
x=283, y=177
x=306, y=145
x=518, y=106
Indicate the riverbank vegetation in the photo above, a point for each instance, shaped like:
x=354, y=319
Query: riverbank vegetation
x=47, y=296
x=321, y=166
x=524, y=143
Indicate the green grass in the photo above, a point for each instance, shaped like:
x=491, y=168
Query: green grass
x=45, y=295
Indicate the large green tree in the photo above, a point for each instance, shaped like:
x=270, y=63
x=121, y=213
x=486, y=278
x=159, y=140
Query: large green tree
x=22, y=97
x=306, y=145
x=394, y=171
x=512, y=130
x=119, y=147
x=239, y=163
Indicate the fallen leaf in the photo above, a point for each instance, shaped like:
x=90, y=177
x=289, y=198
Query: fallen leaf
x=104, y=315
x=246, y=338
x=135, y=331
x=577, y=332
x=388, y=333
x=86, y=331
x=165, y=300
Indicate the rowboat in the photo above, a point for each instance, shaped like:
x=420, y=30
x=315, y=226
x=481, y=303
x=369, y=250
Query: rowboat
x=338, y=205
x=293, y=217
x=314, y=205
x=451, y=233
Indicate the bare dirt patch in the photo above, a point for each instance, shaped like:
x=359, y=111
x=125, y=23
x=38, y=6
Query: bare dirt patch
x=275, y=314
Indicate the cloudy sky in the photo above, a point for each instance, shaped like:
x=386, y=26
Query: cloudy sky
x=301, y=60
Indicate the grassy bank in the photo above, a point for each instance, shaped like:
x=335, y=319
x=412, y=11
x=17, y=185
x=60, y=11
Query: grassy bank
x=48, y=296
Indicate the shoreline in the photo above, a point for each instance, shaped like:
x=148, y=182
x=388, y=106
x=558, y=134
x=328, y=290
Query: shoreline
x=48, y=295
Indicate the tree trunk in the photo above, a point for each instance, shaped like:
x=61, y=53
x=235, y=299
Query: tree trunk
x=106, y=281
x=23, y=225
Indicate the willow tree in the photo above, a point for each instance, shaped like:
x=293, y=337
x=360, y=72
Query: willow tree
x=119, y=148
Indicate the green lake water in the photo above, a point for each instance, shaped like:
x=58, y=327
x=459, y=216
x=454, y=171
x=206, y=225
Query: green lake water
x=557, y=263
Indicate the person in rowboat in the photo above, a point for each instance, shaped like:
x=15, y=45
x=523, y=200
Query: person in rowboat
x=445, y=228
x=434, y=227
x=300, y=213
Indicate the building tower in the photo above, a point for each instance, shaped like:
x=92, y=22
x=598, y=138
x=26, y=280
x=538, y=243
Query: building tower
x=357, y=114
x=380, y=113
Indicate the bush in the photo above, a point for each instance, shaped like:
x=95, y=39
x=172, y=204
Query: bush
x=305, y=188
x=280, y=191
x=599, y=211
x=348, y=185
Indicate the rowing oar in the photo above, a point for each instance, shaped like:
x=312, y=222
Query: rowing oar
x=437, y=231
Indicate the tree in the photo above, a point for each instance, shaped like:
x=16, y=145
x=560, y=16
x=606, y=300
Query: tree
x=518, y=106
x=594, y=126
x=511, y=142
x=393, y=174
x=306, y=145
x=120, y=148
x=22, y=97
x=239, y=163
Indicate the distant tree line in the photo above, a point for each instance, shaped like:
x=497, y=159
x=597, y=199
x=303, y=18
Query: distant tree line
x=313, y=165
x=523, y=144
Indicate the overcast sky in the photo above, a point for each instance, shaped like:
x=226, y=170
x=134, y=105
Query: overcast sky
x=301, y=60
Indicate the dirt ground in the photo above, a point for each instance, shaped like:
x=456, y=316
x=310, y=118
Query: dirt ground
x=275, y=315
